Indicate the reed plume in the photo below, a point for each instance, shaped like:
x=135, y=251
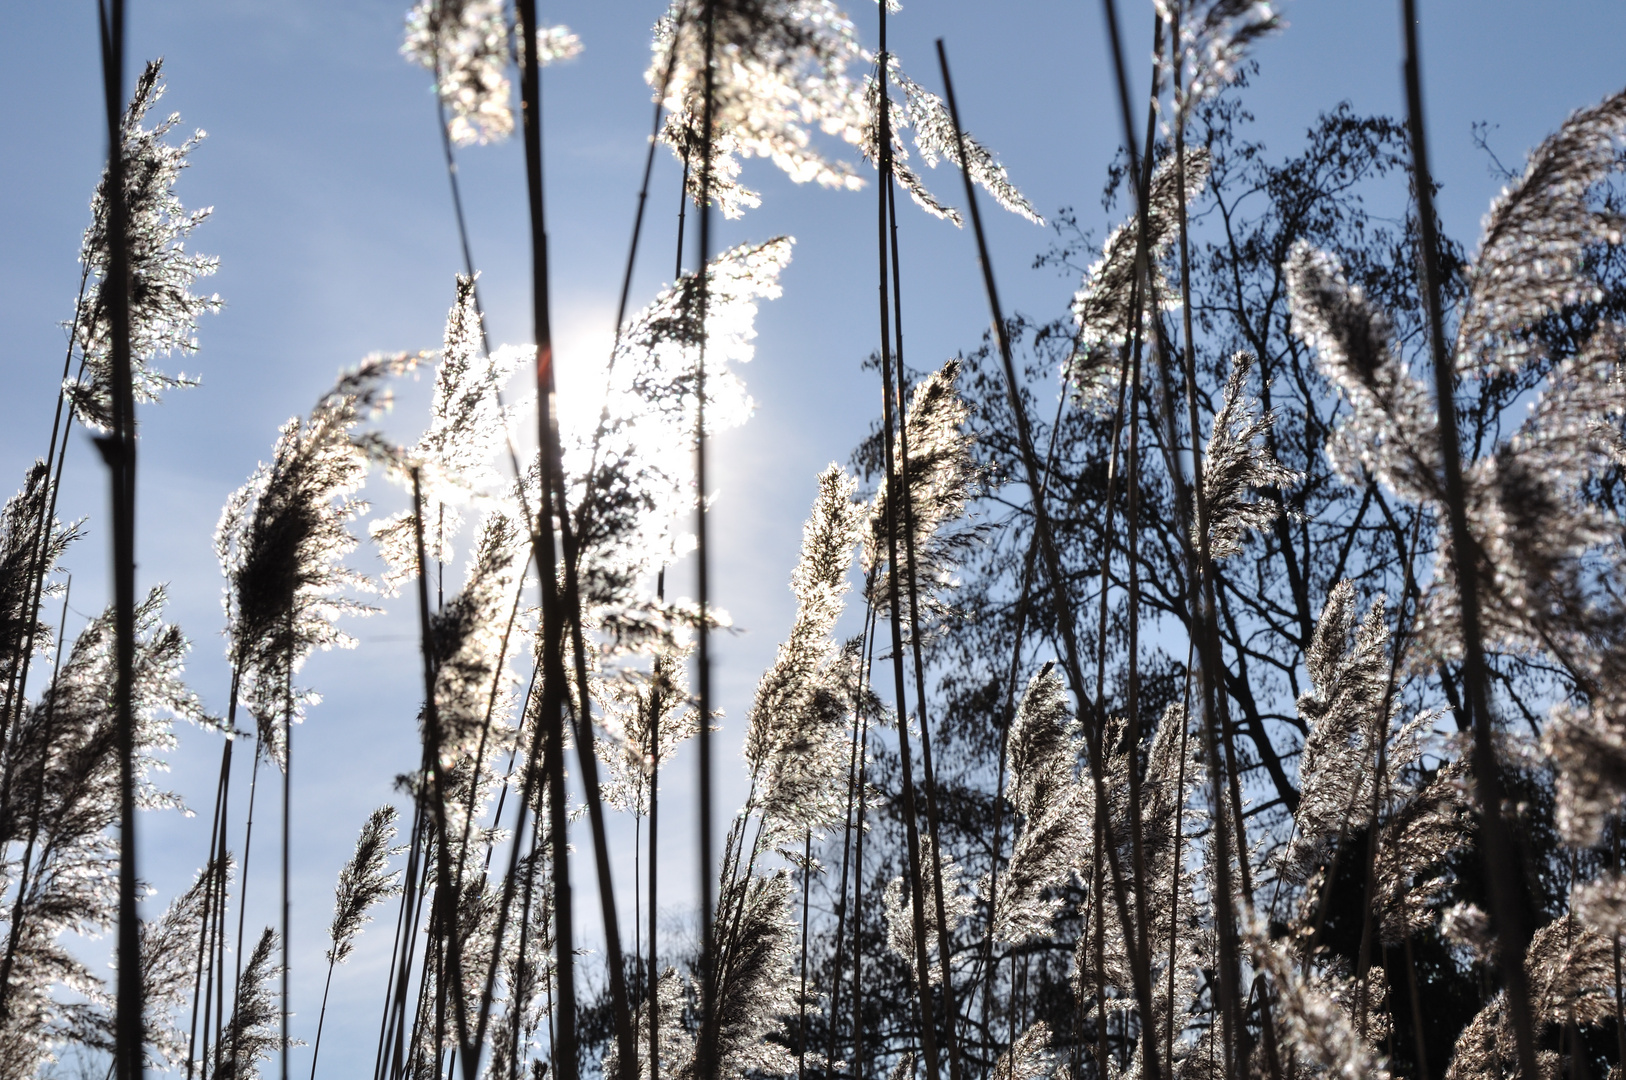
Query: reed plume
x=796, y=734
x=281, y=540
x=1103, y=306
x=168, y=947
x=1054, y=808
x=1237, y=463
x=66, y=795
x=163, y=310
x=468, y=44
x=957, y=906
x=456, y=453
x=944, y=477
x=632, y=477
x=251, y=1035
x=30, y=553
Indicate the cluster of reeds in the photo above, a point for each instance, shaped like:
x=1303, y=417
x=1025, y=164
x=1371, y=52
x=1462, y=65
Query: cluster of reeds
x=1156, y=785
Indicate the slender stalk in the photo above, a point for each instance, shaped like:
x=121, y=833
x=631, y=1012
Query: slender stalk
x=242, y=893
x=895, y=494
x=1620, y=1013
x=1023, y=600
x=445, y=914
x=200, y=995
x=216, y=984
x=553, y=689
x=858, y=898
x=1500, y=854
x=524, y=934
x=119, y=451
x=1142, y=943
x=1066, y=619
x=801, y=1024
x=417, y=881
x=287, y=831
x=1416, y=1013
x=321, y=1018
x=865, y=652
x=944, y=937
x=485, y=732
x=706, y=1051
x=399, y=971
x=652, y=991
x=1179, y=851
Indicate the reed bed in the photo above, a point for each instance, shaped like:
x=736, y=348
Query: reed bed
x=1220, y=679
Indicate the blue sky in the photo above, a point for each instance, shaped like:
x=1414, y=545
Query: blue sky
x=335, y=235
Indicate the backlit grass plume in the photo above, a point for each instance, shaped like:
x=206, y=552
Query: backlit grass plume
x=1391, y=431
x=900, y=926
x=1214, y=37
x=1238, y=463
x=634, y=707
x=795, y=737
x=168, y=956
x=926, y=115
x=163, y=310
x=365, y=881
x=473, y=639
x=756, y=989
x=22, y=567
x=1102, y=307
x=1054, y=808
x=64, y=802
x=251, y=1037
x=1029, y=1057
x=281, y=541
x=527, y=978
x=632, y=475
x=1532, y=259
x=782, y=74
x=1347, y=713
x=456, y=454
x=1317, y=1016
x=944, y=476
x=1570, y=965
x=468, y=45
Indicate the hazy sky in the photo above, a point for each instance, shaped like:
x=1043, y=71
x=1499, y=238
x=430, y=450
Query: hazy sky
x=336, y=238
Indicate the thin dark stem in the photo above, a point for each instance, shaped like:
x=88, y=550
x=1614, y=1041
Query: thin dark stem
x=1066, y=618
x=242, y=892
x=321, y=1018
x=553, y=676
x=287, y=820
x=1023, y=602
x=865, y=650
x=1614, y=942
x=652, y=991
x=417, y=882
x=201, y=994
x=433, y=779
x=119, y=451
x=217, y=966
x=894, y=495
x=858, y=892
x=707, y=1049
x=945, y=936
x=1500, y=854
x=801, y=1022
x=397, y=951
x=56, y=454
